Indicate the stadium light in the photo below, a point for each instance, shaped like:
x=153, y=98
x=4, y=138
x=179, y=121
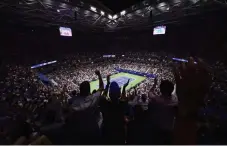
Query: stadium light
x=87, y=12
x=93, y=9
x=115, y=17
x=123, y=55
x=63, y=5
x=102, y=13
x=58, y=10
x=150, y=8
x=194, y=1
x=138, y=11
x=176, y=2
x=163, y=6
x=110, y=17
x=123, y=13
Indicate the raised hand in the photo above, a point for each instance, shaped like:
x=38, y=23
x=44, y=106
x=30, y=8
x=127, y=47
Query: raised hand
x=192, y=84
x=97, y=72
x=108, y=78
x=101, y=84
x=127, y=83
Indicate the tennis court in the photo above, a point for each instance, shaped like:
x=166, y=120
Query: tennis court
x=121, y=79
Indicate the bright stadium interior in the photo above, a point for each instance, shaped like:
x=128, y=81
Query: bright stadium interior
x=113, y=72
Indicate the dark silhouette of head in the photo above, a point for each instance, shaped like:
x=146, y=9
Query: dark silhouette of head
x=114, y=92
x=143, y=97
x=166, y=88
x=138, y=111
x=94, y=91
x=85, y=88
x=74, y=93
x=50, y=117
x=131, y=97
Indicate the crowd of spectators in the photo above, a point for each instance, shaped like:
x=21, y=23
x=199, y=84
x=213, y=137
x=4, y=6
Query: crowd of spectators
x=75, y=71
x=68, y=113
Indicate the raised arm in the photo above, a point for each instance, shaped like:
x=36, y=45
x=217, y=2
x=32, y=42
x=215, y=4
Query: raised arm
x=154, y=85
x=107, y=86
x=123, y=94
x=151, y=92
x=101, y=84
x=192, y=85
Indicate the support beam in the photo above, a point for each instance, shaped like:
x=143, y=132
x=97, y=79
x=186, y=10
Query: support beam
x=97, y=20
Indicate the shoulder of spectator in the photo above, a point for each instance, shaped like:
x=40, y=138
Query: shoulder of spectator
x=174, y=103
x=174, y=98
x=20, y=141
x=151, y=95
x=121, y=100
x=136, y=98
x=97, y=94
x=93, y=98
x=153, y=99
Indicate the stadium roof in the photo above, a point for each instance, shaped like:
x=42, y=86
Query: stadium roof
x=94, y=15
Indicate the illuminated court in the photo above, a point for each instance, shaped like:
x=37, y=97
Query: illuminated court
x=121, y=79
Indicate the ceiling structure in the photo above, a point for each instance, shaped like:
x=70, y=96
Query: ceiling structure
x=92, y=15
x=118, y=5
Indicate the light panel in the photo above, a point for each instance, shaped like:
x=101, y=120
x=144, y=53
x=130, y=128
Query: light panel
x=194, y=1
x=102, y=13
x=110, y=16
x=163, y=6
x=123, y=12
x=93, y=9
x=115, y=17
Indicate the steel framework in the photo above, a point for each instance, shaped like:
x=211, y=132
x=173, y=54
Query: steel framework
x=100, y=18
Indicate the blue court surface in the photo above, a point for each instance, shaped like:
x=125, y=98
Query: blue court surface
x=121, y=79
